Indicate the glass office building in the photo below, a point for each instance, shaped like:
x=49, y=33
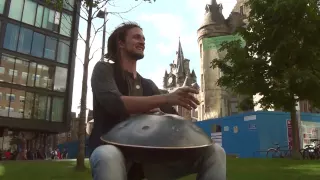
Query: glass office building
x=37, y=45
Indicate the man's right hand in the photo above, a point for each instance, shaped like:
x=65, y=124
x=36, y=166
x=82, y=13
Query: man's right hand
x=183, y=96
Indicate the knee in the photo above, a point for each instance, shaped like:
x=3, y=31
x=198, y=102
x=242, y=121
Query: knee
x=218, y=150
x=105, y=154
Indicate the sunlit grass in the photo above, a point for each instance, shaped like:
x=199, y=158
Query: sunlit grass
x=238, y=169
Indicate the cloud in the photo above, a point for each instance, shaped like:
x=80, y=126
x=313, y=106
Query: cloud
x=164, y=23
x=170, y=27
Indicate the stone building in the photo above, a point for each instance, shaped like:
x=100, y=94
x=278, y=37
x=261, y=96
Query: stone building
x=179, y=74
x=216, y=101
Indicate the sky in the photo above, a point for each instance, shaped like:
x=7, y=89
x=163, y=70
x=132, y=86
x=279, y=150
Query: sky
x=163, y=22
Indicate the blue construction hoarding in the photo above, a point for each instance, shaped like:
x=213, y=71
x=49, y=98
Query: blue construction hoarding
x=249, y=134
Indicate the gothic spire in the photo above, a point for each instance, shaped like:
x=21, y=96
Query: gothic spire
x=180, y=58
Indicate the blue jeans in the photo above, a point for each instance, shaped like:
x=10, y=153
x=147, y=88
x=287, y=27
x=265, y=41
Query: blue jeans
x=108, y=163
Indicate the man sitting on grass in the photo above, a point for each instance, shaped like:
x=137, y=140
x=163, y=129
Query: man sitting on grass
x=119, y=91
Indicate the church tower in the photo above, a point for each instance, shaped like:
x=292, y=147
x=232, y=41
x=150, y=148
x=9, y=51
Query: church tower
x=178, y=74
x=215, y=101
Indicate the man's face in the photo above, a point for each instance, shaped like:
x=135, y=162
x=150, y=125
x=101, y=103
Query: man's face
x=134, y=43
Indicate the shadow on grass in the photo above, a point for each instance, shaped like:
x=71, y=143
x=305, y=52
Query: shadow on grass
x=238, y=169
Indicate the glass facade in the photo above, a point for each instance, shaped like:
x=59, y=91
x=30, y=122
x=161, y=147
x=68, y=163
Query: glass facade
x=36, y=62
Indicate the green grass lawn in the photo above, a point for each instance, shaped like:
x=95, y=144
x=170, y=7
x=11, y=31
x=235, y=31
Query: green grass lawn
x=238, y=169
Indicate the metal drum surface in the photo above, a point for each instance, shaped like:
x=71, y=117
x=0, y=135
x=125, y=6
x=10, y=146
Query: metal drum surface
x=158, y=137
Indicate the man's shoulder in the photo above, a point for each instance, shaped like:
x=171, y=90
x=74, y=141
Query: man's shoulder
x=103, y=66
x=104, y=63
x=149, y=81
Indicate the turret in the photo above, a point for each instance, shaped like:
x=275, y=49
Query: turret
x=214, y=25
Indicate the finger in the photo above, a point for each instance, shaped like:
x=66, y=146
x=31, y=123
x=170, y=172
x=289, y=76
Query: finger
x=189, y=90
x=189, y=103
x=184, y=104
x=192, y=98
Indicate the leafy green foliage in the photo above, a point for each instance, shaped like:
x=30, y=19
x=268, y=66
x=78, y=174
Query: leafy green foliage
x=281, y=59
x=246, y=104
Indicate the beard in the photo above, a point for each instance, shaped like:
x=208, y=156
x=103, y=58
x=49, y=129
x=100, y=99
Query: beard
x=136, y=56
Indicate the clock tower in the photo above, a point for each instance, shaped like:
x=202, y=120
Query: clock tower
x=178, y=74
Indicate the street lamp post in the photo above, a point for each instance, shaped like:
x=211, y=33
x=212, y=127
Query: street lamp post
x=103, y=14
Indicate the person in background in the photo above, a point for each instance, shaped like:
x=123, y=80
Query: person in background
x=64, y=153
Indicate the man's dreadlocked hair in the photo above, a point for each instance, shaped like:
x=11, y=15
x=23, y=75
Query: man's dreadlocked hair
x=113, y=53
x=118, y=34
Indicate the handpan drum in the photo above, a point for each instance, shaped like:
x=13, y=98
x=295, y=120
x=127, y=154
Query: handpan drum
x=159, y=137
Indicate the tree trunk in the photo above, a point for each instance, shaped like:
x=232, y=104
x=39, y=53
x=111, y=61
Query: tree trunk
x=295, y=135
x=83, y=102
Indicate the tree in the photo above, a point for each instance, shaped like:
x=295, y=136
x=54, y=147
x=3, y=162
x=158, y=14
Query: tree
x=281, y=58
x=89, y=11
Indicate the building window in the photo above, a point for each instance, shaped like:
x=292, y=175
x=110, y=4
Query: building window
x=22, y=98
x=2, y=70
x=25, y=40
x=45, y=75
x=200, y=50
x=20, y=67
x=60, y=79
x=66, y=24
x=241, y=10
x=50, y=48
x=9, y=109
x=37, y=44
x=4, y=102
x=56, y=21
x=29, y=12
x=17, y=104
x=28, y=106
x=10, y=97
x=202, y=82
x=11, y=37
x=24, y=75
x=2, y=4
x=63, y=52
x=48, y=108
x=7, y=63
x=31, y=74
x=68, y=4
x=13, y=72
x=39, y=16
x=202, y=111
x=57, y=109
x=50, y=20
x=16, y=8
x=40, y=106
